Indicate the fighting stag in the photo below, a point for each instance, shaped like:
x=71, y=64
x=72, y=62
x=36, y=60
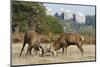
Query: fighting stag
x=32, y=38
x=66, y=40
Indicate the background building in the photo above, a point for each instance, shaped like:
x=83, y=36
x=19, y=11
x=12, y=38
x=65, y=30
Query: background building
x=48, y=11
x=68, y=15
x=80, y=18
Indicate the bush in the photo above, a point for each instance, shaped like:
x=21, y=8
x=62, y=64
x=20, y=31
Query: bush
x=17, y=37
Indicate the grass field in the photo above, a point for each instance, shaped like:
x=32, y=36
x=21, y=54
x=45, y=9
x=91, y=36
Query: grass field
x=73, y=55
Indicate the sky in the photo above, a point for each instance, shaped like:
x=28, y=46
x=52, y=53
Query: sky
x=77, y=9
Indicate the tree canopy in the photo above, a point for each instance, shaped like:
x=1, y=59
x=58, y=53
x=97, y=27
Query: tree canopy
x=32, y=15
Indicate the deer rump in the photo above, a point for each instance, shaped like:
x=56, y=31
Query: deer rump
x=66, y=40
x=31, y=38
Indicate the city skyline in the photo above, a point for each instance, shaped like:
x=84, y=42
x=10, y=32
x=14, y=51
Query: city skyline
x=74, y=9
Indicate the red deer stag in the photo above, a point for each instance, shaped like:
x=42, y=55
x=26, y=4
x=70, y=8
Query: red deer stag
x=32, y=38
x=66, y=40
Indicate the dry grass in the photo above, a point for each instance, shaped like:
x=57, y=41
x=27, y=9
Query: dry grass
x=72, y=55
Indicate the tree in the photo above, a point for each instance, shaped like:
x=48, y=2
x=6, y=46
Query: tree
x=56, y=15
x=54, y=25
x=90, y=20
x=25, y=14
x=31, y=15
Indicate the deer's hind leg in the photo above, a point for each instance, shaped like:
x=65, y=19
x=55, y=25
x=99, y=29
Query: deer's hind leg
x=22, y=48
x=29, y=50
x=80, y=48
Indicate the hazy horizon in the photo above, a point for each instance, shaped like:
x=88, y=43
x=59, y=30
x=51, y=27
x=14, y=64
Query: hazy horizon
x=83, y=9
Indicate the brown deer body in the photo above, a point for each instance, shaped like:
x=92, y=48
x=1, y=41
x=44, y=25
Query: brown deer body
x=66, y=40
x=31, y=38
